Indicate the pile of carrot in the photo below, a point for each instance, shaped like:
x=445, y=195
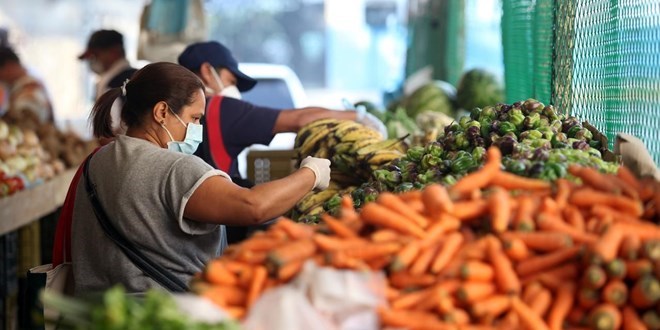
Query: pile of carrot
x=494, y=251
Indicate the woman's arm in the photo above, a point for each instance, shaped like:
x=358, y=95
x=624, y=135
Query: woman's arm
x=217, y=200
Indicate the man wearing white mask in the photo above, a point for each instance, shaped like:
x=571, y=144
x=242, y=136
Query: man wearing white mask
x=230, y=124
x=106, y=57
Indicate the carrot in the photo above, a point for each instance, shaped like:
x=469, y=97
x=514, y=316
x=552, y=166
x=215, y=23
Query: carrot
x=411, y=196
x=605, y=317
x=606, y=212
x=444, y=224
x=499, y=204
x=577, y=316
x=586, y=197
x=338, y=227
x=245, y=277
x=637, y=269
x=216, y=272
x=379, y=215
x=479, y=179
x=527, y=317
x=645, y=293
x=373, y=250
x=231, y=295
x=477, y=271
x=385, y=235
x=516, y=249
x=541, y=302
x=542, y=241
x=436, y=200
x=510, y=320
x=506, y=278
x=402, y=280
x=553, y=223
x=510, y=181
x=258, y=281
x=470, y=292
x=391, y=293
x=607, y=247
x=493, y=306
x=468, y=210
x=629, y=178
x=339, y=259
x=574, y=217
x=616, y=269
x=411, y=299
x=594, y=277
x=530, y=290
x=625, y=189
x=299, y=249
x=525, y=215
x=644, y=230
x=334, y=243
x=615, y=292
x=631, y=320
x=424, y=260
x=563, y=192
x=547, y=261
x=562, y=305
x=591, y=177
x=236, y=312
x=651, y=250
x=564, y=272
x=394, y=203
x=457, y=316
x=550, y=206
x=405, y=256
x=450, y=246
x=588, y=298
x=237, y=267
x=651, y=319
x=261, y=243
x=294, y=229
x=436, y=295
x=410, y=319
x=289, y=270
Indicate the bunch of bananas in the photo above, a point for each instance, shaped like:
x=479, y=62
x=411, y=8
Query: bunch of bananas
x=355, y=152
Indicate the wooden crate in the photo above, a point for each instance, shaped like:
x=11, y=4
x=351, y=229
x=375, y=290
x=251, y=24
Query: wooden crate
x=268, y=165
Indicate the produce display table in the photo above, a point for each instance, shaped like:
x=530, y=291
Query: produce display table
x=31, y=204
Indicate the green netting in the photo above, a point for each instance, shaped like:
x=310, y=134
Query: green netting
x=600, y=61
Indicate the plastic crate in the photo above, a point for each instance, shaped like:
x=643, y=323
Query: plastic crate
x=269, y=165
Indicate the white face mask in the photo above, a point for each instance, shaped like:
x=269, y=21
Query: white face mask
x=228, y=91
x=96, y=66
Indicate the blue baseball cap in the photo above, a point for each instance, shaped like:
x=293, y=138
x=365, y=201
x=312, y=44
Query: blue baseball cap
x=217, y=55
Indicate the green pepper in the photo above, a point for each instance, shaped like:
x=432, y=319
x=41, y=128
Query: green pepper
x=549, y=111
x=559, y=139
x=488, y=113
x=479, y=154
x=403, y=187
x=333, y=203
x=532, y=121
x=463, y=122
x=595, y=144
x=541, y=143
x=556, y=126
x=517, y=117
x=552, y=171
x=485, y=128
x=532, y=134
x=453, y=127
x=515, y=166
x=475, y=113
x=506, y=127
x=543, y=121
x=415, y=154
x=427, y=177
x=461, y=141
x=547, y=132
x=429, y=161
x=584, y=134
x=390, y=178
x=435, y=149
x=448, y=180
x=572, y=132
x=594, y=152
x=463, y=164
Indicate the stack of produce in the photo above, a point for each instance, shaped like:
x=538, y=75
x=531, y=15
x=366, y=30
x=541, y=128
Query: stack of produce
x=535, y=139
x=23, y=160
x=355, y=151
x=477, y=89
x=495, y=250
x=115, y=309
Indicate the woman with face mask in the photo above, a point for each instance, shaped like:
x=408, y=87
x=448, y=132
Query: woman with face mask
x=169, y=204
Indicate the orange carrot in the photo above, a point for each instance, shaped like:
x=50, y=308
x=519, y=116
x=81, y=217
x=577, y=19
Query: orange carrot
x=542, y=241
x=436, y=200
x=547, y=261
x=385, y=235
x=594, y=277
x=293, y=229
x=553, y=223
x=615, y=292
x=444, y=224
x=411, y=299
x=410, y=319
x=516, y=249
x=525, y=216
x=477, y=271
x=500, y=208
x=645, y=293
x=237, y=312
x=333, y=243
x=411, y=196
x=608, y=245
x=405, y=256
x=479, y=179
x=373, y=250
x=588, y=298
x=217, y=273
x=289, y=270
x=550, y=206
x=299, y=249
x=588, y=197
x=510, y=181
x=457, y=316
x=629, y=178
x=391, y=293
x=527, y=317
x=424, y=260
x=562, y=305
x=262, y=243
x=339, y=259
x=471, y=292
x=591, y=177
x=493, y=306
x=637, y=269
x=258, y=281
x=562, y=273
x=616, y=269
x=541, y=302
x=450, y=246
x=394, y=203
x=530, y=290
x=468, y=210
x=574, y=218
x=605, y=316
x=338, y=227
x=631, y=320
x=379, y=215
x=577, y=316
x=563, y=192
x=403, y=280
x=231, y=295
x=506, y=278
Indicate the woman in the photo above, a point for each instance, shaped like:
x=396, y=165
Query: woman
x=170, y=204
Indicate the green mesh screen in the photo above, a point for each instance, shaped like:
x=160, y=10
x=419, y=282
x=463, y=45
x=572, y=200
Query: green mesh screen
x=596, y=59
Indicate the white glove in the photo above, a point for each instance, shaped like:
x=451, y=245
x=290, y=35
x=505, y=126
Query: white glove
x=369, y=120
x=321, y=169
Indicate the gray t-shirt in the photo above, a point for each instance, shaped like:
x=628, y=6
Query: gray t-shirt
x=144, y=190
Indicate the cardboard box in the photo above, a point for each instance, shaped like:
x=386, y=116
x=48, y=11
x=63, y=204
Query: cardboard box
x=269, y=165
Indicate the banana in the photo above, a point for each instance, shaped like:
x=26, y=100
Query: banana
x=322, y=152
x=343, y=147
x=385, y=144
x=310, y=129
x=346, y=126
x=312, y=142
x=357, y=145
x=312, y=199
x=382, y=157
x=315, y=210
x=358, y=135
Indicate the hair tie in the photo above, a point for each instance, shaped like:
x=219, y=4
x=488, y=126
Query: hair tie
x=123, y=88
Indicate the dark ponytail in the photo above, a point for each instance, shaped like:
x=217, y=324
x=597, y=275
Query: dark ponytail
x=101, y=114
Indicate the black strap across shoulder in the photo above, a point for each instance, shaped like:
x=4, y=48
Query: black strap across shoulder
x=153, y=270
